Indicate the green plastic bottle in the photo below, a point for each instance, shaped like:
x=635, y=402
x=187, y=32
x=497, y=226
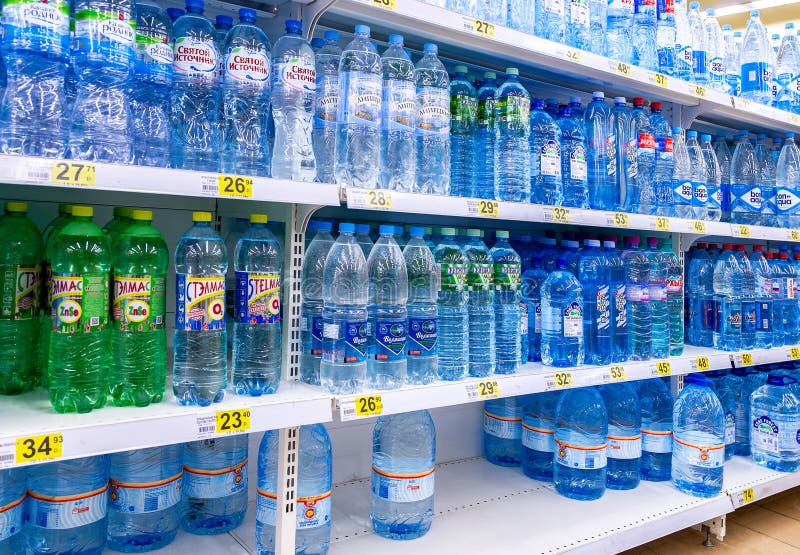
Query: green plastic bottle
x=115, y=226
x=79, y=339
x=20, y=266
x=138, y=334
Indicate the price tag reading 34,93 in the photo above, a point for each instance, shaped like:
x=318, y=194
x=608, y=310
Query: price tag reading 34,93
x=38, y=448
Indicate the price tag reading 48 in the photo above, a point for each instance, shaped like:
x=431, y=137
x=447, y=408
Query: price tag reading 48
x=232, y=421
x=38, y=448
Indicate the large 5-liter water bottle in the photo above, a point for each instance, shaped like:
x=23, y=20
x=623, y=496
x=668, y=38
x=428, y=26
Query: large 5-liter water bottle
x=733, y=74
x=684, y=58
x=698, y=451
x=644, y=194
x=573, y=160
x=756, y=62
x=656, y=401
x=619, y=43
x=484, y=139
x=746, y=195
x=532, y=280
x=643, y=34
x=775, y=421
x=713, y=179
x=664, y=161
x=423, y=323
x=683, y=191
x=512, y=165
x=581, y=437
x=326, y=104
x=311, y=329
x=506, y=282
x=728, y=301
x=152, y=78
x=313, y=499
x=699, y=174
x=502, y=430
x=619, y=303
x=659, y=273
x=214, y=485
x=453, y=322
x=398, y=121
x=463, y=127
x=762, y=272
x=143, y=509
x=545, y=150
x=666, y=37
x=482, y=323
x=715, y=50
x=346, y=330
x=403, y=470
x=358, y=116
x=597, y=329
x=787, y=190
x=787, y=70
x=699, y=46
x=549, y=15
x=601, y=154
x=200, y=372
x=624, y=435
x=433, y=124
x=637, y=294
x=13, y=497
x=562, y=318
x=68, y=506
x=627, y=146
x=675, y=298
x=538, y=435
x=727, y=397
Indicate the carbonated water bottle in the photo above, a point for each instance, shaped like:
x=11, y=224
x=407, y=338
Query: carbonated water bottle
x=532, y=280
x=619, y=20
x=562, y=318
x=644, y=195
x=675, y=299
x=482, y=323
x=762, y=273
x=512, y=165
x=637, y=294
x=507, y=269
x=573, y=160
x=746, y=195
x=699, y=46
x=788, y=184
x=713, y=179
x=656, y=401
x=742, y=386
x=463, y=127
x=502, y=430
x=453, y=323
x=423, y=323
x=775, y=416
x=200, y=370
x=545, y=148
x=617, y=285
x=683, y=191
x=715, y=51
x=578, y=28
x=403, y=474
x=643, y=33
x=747, y=290
x=311, y=328
x=684, y=57
x=433, y=124
x=484, y=141
x=727, y=301
x=222, y=24
x=733, y=74
x=13, y=497
x=665, y=162
x=699, y=174
x=256, y=357
x=756, y=62
x=626, y=152
x=326, y=105
x=549, y=15
x=666, y=37
x=398, y=121
x=624, y=435
x=767, y=179
x=601, y=154
x=538, y=435
x=594, y=278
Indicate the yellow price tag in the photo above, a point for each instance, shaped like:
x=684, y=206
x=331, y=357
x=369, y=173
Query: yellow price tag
x=698, y=226
x=699, y=91
x=573, y=55
x=621, y=219
x=794, y=234
x=747, y=359
x=744, y=231
x=662, y=223
x=663, y=368
x=378, y=200
x=489, y=208
x=660, y=79
x=702, y=364
x=624, y=69
x=237, y=420
x=748, y=496
x=234, y=186
x=388, y=4
x=483, y=28
x=39, y=448
x=72, y=173
x=794, y=352
x=562, y=379
x=488, y=389
x=617, y=373
x=369, y=405
x=561, y=214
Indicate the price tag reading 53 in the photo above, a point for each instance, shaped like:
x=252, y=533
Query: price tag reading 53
x=38, y=448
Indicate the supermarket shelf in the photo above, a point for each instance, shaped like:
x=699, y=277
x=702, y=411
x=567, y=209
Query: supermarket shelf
x=113, y=429
x=223, y=544
x=746, y=482
x=756, y=357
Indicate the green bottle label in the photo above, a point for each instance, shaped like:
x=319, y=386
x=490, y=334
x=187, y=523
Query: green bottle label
x=80, y=303
x=513, y=111
x=139, y=303
x=463, y=109
x=486, y=113
x=506, y=277
x=20, y=288
x=479, y=276
x=454, y=276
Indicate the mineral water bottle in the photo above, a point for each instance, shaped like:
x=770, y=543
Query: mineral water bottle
x=627, y=142
x=713, y=179
x=20, y=267
x=762, y=273
x=775, y=416
x=637, y=294
x=222, y=24
x=311, y=327
x=363, y=239
x=790, y=306
x=787, y=71
x=675, y=308
x=463, y=127
x=175, y=13
x=507, y=269
x=684, y=57
x=733, y=74
x=683, y=191
x=562, y=318
x=482, y=323
x=423, y=287
x=665, y=162
x=715, y=50
x=246, y=98
x=538, y=435
x=550, y=22
x=746, y=288
x=403, y=474
x=657, y=294
x=326, y=104
x=576, y=107
x=484, y=139
x=103, y=52
x=138, y=334
x=699, y=46
x=581, y=437
x=358, y=116
x=398, y=150
x=214, y=485
x=532, y=280
x=573, y=160
x=578, y=32
x=13, y=496
x=388, y=316
x=746, y=194
x=545, y=147
x=788, y=184
x=645, y=148
x=698, y=451
x=433, y=124
x=79, y=352
x=512, y=165
x=195, y=92
x=453, y=324
x=502, y=430
x=624, y=435
x=256, y=356
x=756, y=62
x=742, y=386
x=699, y=173
x=313, y=501
x=722, y=385
x=645, y=49
x=598, y=18
x=68, y=506
x=617, y=285
x=520, y=15
x=594, y=278
x=200, y=371
x=728, y=301
x=767, y=178
x=701, y=303
x=656, y=401
x=723, y=156
x=152, y=78
x=619, y=41
x=666, y=37
x=143, y=509
x=601, y=154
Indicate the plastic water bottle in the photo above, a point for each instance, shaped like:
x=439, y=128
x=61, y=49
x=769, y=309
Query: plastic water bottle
x=619, y=305
x=723, y=156
x=506, y=282
x=767, y=179
x=594, y=278
x=550, y=23
x=627, y=147
x=423, y=323
x=699, y=174
x=756, y=62
x=562, y=318
x=624, y=435
x=666, y=37
x=433, y=124
x=762, y=273
x=573, y=160
x=700, y=301
x=675, y=299
x=727, y=397
x=502, y=431
x=637, y=294
x=326, y=104
x=733, y=73
x=139, y=338
x=68, y=506
x=643, y=34
x=311, y=329
x=743, y=387
x=715, y=50
x=788, y=184
x=656, y=402
x=538, y=435
x=619, y=23
x=664, y=162
x=453, y=324
x=175, y=13
x=578, y=30
x=199, y=375
x=728, y=302
x=545, y=148
x=512, y=164
x=746, y=288
x=644, y=195
x=698, y=451
x=482, y=322
x=195, y=92
x=398, y=121
x=346, y=330
x=358, y=115
x=789, y=309
x=581, y=437
x=484, y=138
x=787, y=71
x=601, y=154
x=532, y=280
x=152, y=78
x=775, y=417
x=143, y=508
x=463, y=127
x=598, y=18
x=363, y=238
x=712, y=180
x=658, y=300
x=520, y=15
x=699, y=47
x=746, y=194
x=683, y=191
x=214, y=485
x=13, y=497
x=684, y=57
x=313, y=501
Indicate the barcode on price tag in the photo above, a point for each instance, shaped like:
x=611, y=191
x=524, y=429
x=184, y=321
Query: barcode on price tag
x=206, y=426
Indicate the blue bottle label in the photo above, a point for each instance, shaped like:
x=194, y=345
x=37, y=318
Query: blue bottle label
x=684, y=192
x=699, y=194
x=67, y=511
x=101, y=35
x=422, y=337
x=704, y=456
x=603, y=305
x=538, y=439
x=312, y=511
x=399, y=105
x=316, y=326
x=764, y=316
x=664, y=149
x=141, y=498
x=11, y=517
x=504, y=427
x=362, y=101
x=749, y=316
x=258, y=298
x=213, y=484
x=716, y=67
x=403, y=488
x=582, y=457
x=732, y=320
x=756, y=77
x=655, y=441
x=537, y=318
x=714, y=193
x=356, y=336
x=787, y=202
x=745, y=198
x=390, y=340
x=621, y=306
x=573, y=320
x=199, y=302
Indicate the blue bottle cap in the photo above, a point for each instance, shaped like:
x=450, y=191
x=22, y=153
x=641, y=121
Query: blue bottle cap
x=676, y=130
x=551, y=101
x=691, y=134
x=247, y=15
x=331, y=35
x=711, y=12
x=694, y=5
x=430, y=48
x=574, y=99
x=565, y=112
x=294, y=27
x=362, y=29
x=761, y=136
x=737, y=34
x=386, y=230
x=727, y=27
x=325, y=226
x=618, y=100
x=416, y=231
x=705, y=137
x=396, y=40
x=755, y=13
x=398, y=230
x=224, y=21
x=512, y=71
x=598, y=95
x=347, y=227
x=195, y=6
x=744, y=133
x=538, y=104
x=362, y=228
x=789, y=26
x=317, y=42
x=790, y=135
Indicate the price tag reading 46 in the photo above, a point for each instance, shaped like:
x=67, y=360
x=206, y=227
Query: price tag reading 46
x=234, y=186
x=39, y=448
x=232, y=421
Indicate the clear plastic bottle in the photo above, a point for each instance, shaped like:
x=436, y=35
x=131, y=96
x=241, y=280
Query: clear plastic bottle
x=666, y=37
x=484, y=138
x=507, y=269
x=481, y=309
x=684, y=57
x=733, y=73
x=713, y=179
x=727, y=397
x=538, y=435
x=214, y=485
x=573, y=160
x=675, y=299
x=766, y=168
x=756, y=62
x=598, y=18
x=743, y=384
x=619, y=24
x=200, y=370
x=723, y=156
x=545, y=161
x=601, y=154
x=502, y=430
x=626, y=152
x=423, y=323
x=746, y=195
x=398, y=121
x=463, y=128
x=746, y=287
x=562, y=318
x=762, y=272
x=699, y=174
x=326, y=105
x=728, y=302
x=512, y=165
x=715, y=50
x=578, y=30
x=314, y=488
x=597, y=329
x=683, y=191
x=637, y=294
x=664, y=162
x=643, y=34
x=311, y=329
x=453, y=323
x=787, y=71
x=656, y=401
x=789, y=309
x=68, y=506
x=363, y=238
x=144, y=505
x=645, y=198
x=619, y=307
x=549, y=15
x=532, y=281
x=699, y=46
x=624, y=435
x=13, y=497
x=433, y=124
x=775, y=417
x=788, y=184
x=658, y=300
x=700, y=301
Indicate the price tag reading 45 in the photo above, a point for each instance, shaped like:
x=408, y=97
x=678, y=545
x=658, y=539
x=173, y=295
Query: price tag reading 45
x=39, y=448
x=663, y=368
x=369, y=405
x=234, y=186
x=231, y=421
